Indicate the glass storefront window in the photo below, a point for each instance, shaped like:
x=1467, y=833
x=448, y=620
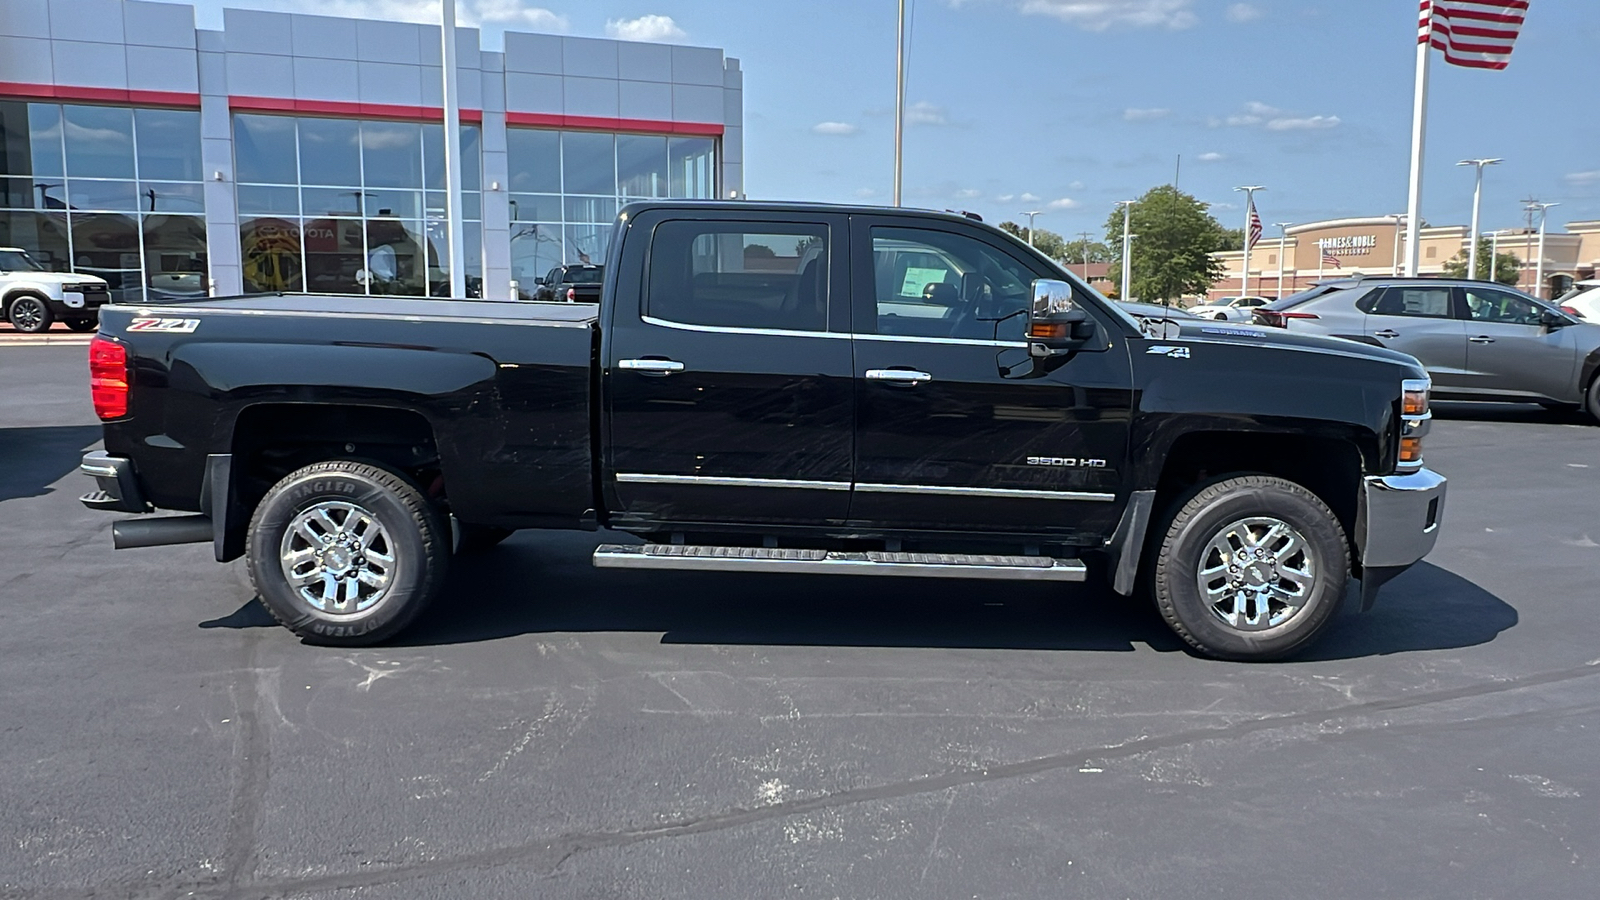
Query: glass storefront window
x=589, y=163
x=330, y=152
x=535, y=207
x=175, y=257
x=433, y=156
x=587, y=243
x=83, y=193
x=591, y=209
x=99, y=141
x=534, y=158
x=391, y=154
x=641, y=165
x=43, y=235
x=335, y=251
x=270, y=248
x=169, y=144
x=333, y=202
x=692, y=164
x=107, y=245
x=257, y=200
x=264, y=150
x=171, y=196
x=471, y=204
x=44, y=138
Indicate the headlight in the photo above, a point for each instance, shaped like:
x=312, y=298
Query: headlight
x=1414, y=419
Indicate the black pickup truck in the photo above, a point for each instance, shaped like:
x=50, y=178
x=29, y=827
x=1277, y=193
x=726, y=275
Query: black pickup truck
x=571, y=284
x=773, y=388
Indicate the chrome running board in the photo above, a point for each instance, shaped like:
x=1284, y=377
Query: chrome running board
x=872, y=562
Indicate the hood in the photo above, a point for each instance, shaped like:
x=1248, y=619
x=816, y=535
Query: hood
x=62, y=278
x=1258, y=336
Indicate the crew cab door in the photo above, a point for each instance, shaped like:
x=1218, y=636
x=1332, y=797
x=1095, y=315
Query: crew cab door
x=1421, y=319
x=727, y=371
x=949, y=432
x=1510, y=351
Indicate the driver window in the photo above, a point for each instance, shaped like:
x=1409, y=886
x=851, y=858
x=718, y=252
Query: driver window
x=1499, y=306
x=937, y=284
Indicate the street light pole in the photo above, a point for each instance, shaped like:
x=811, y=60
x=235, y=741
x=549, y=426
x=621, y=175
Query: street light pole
x=1127, y=268
x=1538, y=271
x=455, y=237
x=1477, y=197
x=1249, y=207
x=1030, y=214
x=1283, y=239
x=1394, y=267
x=899, y=97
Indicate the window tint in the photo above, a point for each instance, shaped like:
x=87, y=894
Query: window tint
x=1500, y=306
x=936, y=284
x=1423, y=302
x=740, y=274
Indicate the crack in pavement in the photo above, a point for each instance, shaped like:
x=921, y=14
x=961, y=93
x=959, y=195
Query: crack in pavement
x=547, y=855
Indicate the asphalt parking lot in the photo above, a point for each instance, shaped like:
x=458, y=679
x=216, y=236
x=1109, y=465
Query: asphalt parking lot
x=556, y=731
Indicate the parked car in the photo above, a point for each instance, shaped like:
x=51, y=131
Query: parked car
x=827, y=415
x=1229, y=309
x=31, y=297
x=1582, y=301
x=1478, y=340
x=572, y=284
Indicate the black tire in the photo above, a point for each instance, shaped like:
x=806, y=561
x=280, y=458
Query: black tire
x=1208, y=512
x=478, y=538
x=413, y=535
x=30, y=314
x=1591, y=400
x=1221, y=317
x=83, y=325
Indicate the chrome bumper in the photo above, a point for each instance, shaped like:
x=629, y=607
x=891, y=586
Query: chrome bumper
x=1399, y=525
x=117, y=488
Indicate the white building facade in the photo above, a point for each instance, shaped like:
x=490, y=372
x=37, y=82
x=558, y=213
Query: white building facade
x=305, y=153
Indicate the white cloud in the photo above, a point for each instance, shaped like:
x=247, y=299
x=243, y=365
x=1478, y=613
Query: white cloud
x=1098, y=15
x=1006, y=198
x=968, y=194
x=1075, y=186
x=426, y=12
x=1257, y=108
x=834, y=128
x=1029, y=198
x=1307, y=123
x=866, y=193
x=1242, y=120
x=1144, y=115
x=645, y=28
x=1211, y=157
x=1584, y=178
x=925, y=113
x=1243, y=12
x=1063, y=203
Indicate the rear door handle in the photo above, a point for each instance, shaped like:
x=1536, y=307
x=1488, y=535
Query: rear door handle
x=898, y=376
x=1482, y=339
x=655, y=367
x=1386, y=333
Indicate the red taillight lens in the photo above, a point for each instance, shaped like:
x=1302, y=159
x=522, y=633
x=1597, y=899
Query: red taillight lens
x=108, y=378
x=572, y=295
x=1571, y=312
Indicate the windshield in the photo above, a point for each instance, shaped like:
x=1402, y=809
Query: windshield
x=1582, y=287
x=18, y=261
x=583, y=274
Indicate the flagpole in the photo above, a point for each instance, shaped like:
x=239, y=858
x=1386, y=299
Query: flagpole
x=1419, y=127
x=899, y=97
x=455, y=234
x=1249, y=208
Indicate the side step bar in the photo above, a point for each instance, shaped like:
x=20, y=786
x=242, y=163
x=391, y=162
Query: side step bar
x=872, y=562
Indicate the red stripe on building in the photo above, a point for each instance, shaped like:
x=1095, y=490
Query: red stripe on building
x=346, y=109
x=604, y=123
x=121, y=96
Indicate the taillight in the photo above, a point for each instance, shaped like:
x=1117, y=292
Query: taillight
x=108, y=378
x=1571, y=311
x=572, y=295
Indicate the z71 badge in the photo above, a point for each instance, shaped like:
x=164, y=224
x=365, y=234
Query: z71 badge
x=171, y=326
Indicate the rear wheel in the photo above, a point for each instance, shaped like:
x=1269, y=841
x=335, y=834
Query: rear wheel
x=1251, y=568
x=1591, y=402
x=346, y=553
x=29, y=314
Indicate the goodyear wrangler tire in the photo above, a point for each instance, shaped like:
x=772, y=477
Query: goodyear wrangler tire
x=346, y=553
x=1251, y=567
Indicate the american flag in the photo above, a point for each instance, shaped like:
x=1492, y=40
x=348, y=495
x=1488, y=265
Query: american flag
x=1328, y=259
x=1255, y=227
x=1477, y=34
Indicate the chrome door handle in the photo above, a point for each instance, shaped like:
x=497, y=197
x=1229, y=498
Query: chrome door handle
x=898, y=376
x=1482, y=339
x=1386, y=333
x=656, y=367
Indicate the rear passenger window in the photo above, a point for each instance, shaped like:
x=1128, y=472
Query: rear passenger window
x=1422, y=302
x=740, y=275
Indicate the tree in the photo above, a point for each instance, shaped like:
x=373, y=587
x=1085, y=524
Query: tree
x=1507, y=268
x=1075, y=250
x=1044, y=240
x=1174, y=237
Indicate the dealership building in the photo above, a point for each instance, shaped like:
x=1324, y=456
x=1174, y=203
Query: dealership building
x=306, y=153
x=1305, y=254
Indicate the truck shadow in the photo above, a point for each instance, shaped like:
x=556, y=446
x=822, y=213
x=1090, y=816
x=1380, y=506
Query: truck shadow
x=1528, y=413
x=32, y=459
x=534, y=585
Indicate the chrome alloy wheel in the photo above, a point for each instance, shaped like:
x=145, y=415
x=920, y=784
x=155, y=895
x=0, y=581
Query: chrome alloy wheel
x=1257, y=573
x=337, y=557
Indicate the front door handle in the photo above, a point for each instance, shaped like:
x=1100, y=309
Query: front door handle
x=655, y=367
x=1482, y=339
x=1386, y=333
x=898, y=376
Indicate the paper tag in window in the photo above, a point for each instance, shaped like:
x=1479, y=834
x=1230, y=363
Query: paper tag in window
x=73, y=299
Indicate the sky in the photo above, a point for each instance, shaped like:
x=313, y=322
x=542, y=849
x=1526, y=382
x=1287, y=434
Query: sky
x=1067, y=106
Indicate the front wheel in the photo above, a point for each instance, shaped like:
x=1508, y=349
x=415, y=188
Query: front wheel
x=346, y=553
x=1591, y=401
x=1251, y=568
x=29, y=314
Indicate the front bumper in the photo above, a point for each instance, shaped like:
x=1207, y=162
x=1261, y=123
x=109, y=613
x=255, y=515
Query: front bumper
x=1400, y=517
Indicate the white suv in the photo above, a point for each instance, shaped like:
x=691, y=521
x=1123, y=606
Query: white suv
x=31, y=298
x=1582, y=301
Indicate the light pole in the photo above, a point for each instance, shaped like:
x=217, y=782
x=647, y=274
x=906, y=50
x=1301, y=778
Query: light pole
x=1086, y=235
x=1538, y=271
x=1283, y=239
x=1127, y=237
x=1030, y=214
x=1477, y=196
x=899, y=97
x=1394, y=267
x=455, y=238
x=1249, y=211
x=1494, y=255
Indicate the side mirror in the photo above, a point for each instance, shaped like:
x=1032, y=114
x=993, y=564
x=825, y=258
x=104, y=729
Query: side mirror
x=1057, y=325
x=1553, y=320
